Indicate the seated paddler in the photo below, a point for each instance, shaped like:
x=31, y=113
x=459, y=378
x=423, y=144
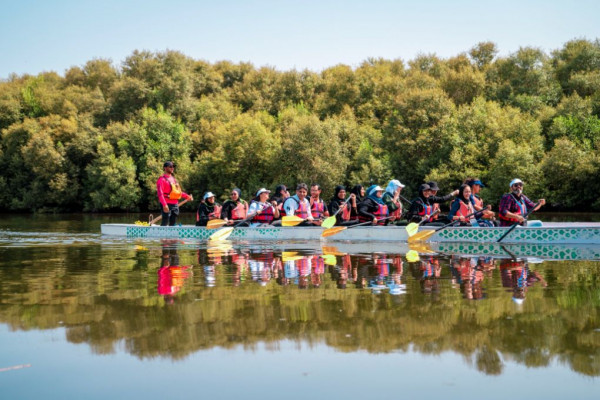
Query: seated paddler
x=372, y=208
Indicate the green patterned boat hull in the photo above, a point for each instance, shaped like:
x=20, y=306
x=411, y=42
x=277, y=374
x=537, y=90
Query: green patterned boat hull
x=556, y=233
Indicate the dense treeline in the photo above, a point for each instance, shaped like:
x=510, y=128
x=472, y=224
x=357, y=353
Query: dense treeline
x=96, y=138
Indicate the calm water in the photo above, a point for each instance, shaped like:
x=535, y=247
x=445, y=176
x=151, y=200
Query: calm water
x=82, y=316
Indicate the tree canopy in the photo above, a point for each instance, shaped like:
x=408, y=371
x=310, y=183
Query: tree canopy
x=95, y=139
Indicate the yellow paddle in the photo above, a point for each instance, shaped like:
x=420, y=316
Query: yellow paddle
x=338, y=229
x=215, y=223
x=333, y=231
x=221, y=234
x=424, y=235
x=160, y=216
x=291, y=220
x=329, y=222
x=413, y=227
x=412, y=256
x=329, y=259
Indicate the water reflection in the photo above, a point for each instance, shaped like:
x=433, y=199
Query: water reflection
x=172, y=298
x=171, y=275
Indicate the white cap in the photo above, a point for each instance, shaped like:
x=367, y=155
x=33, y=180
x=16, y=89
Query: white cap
x=376, y=189
x=262, y=190
x=516, y=180
x=208, y=194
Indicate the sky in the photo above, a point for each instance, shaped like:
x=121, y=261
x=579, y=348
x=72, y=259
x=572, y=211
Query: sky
x=38, y=36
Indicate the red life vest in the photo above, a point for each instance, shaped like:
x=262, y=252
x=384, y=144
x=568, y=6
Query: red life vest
x=346, y=212
x=239, y=212
x=464, y=209
x=382, y=212
x=265, y=217
x=302, y=210
x=521, y=210
x=426, y=211
x=478, y=201
x=216, y=212
x=318, y=209
x=382, y=267
x=175, y=191
x=397, y=212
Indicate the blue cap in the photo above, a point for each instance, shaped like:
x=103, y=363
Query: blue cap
x=478, y=182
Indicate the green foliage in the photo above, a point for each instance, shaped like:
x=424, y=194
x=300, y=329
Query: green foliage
x=111, y=181
x=227, y=124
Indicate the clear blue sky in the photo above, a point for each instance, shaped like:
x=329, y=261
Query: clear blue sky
x=54, y=35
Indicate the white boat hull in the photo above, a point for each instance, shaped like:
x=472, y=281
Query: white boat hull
x=557, y=233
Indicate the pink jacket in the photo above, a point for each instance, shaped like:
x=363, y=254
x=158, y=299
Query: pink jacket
x=163, y=188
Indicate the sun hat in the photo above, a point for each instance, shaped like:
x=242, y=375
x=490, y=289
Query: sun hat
x=262, y=190
x=515, y=181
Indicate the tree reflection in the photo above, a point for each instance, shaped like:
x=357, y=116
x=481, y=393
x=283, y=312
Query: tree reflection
x=228, y=296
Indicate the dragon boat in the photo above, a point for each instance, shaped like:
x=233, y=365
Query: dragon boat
x=549, y=233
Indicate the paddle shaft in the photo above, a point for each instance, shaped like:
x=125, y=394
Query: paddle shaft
x=160, y=216
x=368, y=222
x=455, y=221
x=515, y=225
x=340, y=208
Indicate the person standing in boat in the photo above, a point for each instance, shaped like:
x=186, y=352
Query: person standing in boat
x=261, y=211
x=342, y=217
x=318, y=207
x=515, y=205
x=207, y=210
x=234, y=209
x=391, y=198
x=373, y=208
x=169, y=192
x=299, y=205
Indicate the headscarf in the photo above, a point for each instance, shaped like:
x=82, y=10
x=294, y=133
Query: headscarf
x=239, y=192
x=356, y=190
x=335, y=198
x=372, y=194
x=423, y=188
x=393, y=186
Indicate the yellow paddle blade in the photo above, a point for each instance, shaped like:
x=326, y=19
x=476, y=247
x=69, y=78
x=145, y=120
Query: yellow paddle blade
x=215, y=223
x=421, y=236
x=333, y=231
x=291, y=220
x=218, y=248
x=412, y=228
x=291, y=256
x=221, y=234
x=412, y=256
x=328, y=222
x=332, y=250
x=421, y=248
x=329, y=259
